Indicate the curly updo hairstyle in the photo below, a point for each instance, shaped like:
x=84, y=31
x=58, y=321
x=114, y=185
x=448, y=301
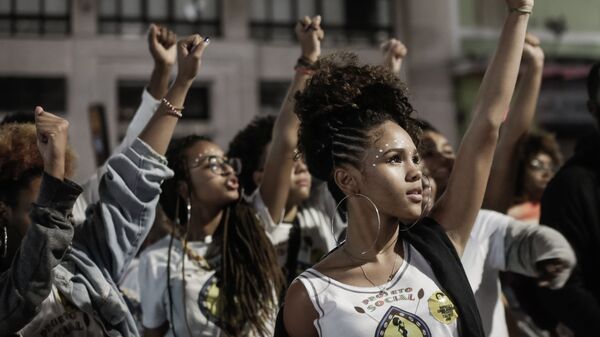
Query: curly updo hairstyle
x=341, y=103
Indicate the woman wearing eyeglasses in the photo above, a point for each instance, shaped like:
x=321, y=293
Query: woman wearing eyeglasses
x=539, y=160
x=217, y=274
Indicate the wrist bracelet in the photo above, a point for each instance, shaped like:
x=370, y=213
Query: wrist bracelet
x=304, y=70
x=521, y=10
x=303, y=62
x=171, y=109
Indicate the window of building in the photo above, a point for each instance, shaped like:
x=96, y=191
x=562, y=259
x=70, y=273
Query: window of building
x=344, y=20
x=22, y=94
x=272, y=94
x=197, y=103
x=35, y=17
x=182, y=16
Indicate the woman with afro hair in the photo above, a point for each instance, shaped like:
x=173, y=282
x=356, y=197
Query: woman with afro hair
x=397, y=273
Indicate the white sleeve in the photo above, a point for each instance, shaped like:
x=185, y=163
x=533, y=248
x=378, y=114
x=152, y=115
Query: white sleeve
x=278, y=233
x=90, y=193
x=485, y=247
x=152, y=286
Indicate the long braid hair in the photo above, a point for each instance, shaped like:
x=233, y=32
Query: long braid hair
x=248, y=276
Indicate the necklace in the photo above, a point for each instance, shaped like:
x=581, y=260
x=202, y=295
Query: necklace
x=382, y=288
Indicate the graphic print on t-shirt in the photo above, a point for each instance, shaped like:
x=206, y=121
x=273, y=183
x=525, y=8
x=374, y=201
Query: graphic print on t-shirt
x=208, y=301
x=399, y=323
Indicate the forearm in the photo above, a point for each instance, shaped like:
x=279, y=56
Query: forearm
x=159, y=130
x=280, y=159
x=527, y=244
x=501, y=184
x=159, y=80
x=499, y=81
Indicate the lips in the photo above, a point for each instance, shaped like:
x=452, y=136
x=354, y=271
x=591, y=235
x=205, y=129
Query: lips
x=232, y=183
x=415, y=195
x=302, y=182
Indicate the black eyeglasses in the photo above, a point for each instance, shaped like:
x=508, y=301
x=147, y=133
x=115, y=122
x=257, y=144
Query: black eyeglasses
x=218, y=164
x=538, y=165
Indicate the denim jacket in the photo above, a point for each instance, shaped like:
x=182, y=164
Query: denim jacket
x=102, y=246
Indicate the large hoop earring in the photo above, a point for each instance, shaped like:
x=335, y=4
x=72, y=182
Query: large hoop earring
x=4, y=241
x=424, y=208
x=333, y=216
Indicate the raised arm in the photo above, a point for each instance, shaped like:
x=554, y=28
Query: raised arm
x=501, y=185
x=28, y=282
x=162, y=46
x=394, y=52
x=275, y=186
x=458, y=206
x=159, y=130
x=129, y=191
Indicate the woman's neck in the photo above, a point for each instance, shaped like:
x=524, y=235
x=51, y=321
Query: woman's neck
x=367, y=240
x=204, y=221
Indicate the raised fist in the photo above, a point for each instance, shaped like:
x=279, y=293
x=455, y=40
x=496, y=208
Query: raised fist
x=52, y=135
x=394, y=52
x=309, y=34
x=161, y=42
x=189, y=55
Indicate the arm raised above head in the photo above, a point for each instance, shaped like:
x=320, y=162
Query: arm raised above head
x=458, y=206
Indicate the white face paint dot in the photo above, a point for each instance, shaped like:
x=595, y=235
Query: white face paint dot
x=373, y=165
x=380, y=150
x=377, y=156
x=386, y=145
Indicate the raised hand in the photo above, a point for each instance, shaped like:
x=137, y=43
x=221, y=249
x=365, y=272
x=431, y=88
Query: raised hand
x=52, y=135
x=162, y=45
x=309, y=33
x=189, y=55
x=394, y=52
x=550, y=269
x=533, y=54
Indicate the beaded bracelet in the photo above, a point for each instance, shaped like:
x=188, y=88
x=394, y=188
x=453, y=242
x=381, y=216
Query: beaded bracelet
x=171, y=109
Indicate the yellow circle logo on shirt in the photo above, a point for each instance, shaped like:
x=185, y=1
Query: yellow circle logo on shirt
x=399, y=323
x=442, y=308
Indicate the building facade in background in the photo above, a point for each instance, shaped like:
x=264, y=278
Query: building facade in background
x=88, y=59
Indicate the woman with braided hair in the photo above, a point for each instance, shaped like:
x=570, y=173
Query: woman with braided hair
x=397, y=273
x=217, y=274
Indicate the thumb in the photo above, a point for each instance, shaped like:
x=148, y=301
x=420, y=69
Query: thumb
x=201, y=46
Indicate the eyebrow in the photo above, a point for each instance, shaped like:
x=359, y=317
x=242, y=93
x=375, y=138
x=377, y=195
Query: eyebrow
x=401, y=149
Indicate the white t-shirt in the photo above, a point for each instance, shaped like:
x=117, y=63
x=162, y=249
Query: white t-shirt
x=199, y=291
x=315, y=229
x=58, y=318
x=412, y=304
x=483, y=259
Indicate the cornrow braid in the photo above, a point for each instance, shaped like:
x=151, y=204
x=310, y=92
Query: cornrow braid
x=341, y=104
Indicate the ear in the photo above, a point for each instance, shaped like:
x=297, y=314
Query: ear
x=346, y=180
x=257, y=177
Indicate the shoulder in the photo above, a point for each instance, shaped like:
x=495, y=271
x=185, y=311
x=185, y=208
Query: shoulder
x=299, y=312
x=157, y=254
